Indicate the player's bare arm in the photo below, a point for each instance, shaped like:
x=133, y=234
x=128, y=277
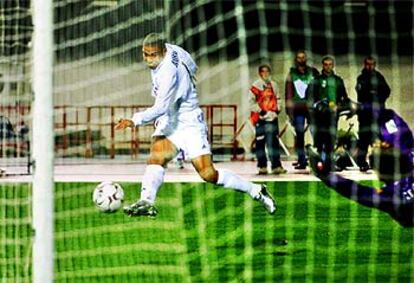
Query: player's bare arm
x=123, y=124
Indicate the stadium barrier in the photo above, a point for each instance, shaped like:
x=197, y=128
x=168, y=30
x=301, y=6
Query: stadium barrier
x=88, y=131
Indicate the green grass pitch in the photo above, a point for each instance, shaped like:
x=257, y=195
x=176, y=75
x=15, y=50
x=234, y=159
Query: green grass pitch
x=208, y=234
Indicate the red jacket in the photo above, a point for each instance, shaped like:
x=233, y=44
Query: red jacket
x=265, y=97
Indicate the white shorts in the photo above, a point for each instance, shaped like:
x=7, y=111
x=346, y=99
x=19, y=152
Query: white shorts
x=188, y=134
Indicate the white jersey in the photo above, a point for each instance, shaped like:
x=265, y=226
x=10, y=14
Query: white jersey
x=173, y=87
x=176, y=110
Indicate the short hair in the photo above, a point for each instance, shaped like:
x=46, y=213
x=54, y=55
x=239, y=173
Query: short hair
x=328, y=57
x=299, y=51
x=154, y=39
x=370, y=58
x=259, y=69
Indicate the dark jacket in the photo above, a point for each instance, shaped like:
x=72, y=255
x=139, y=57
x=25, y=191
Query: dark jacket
x=372, y=89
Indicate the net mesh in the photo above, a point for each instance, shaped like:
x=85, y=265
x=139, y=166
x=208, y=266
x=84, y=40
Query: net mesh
x=15, y=34
x=202, y=235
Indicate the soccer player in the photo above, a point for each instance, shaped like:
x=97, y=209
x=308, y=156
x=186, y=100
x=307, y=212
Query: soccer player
x=297, y=82
x=392, y=158
x=372, y=92
x=180, y=125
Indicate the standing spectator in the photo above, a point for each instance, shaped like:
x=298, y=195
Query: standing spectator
x=326, y=92
x=372, y=92
x=264, y=107
x=297, y=82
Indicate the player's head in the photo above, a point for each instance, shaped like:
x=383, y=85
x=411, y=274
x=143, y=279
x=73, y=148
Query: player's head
x=328, y=64
x=369, y=63
x=265, y=72
x=153, y=49
x=389, y=162
x=300, y=58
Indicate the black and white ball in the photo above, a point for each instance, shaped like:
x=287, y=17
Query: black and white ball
x=108, y=196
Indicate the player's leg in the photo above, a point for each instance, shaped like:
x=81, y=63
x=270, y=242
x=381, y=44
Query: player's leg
x=229, y=180
x=161, y=152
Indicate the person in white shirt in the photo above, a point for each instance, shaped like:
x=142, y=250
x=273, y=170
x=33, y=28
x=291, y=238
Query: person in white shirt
x=180, y=125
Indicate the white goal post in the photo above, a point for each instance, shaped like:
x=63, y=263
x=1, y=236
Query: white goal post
x=43, y=152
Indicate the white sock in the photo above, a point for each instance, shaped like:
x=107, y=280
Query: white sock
x=230, y=180
x=151, y=182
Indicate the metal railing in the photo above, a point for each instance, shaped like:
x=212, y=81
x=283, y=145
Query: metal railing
x=88, y=131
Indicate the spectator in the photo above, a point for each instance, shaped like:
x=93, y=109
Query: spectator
x=264, y=106
x=297, y=82
x=6, y=129
x=325, y=93
x=372, y=92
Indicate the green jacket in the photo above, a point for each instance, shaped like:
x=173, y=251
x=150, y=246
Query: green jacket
x=295, y=90
x=329, y=87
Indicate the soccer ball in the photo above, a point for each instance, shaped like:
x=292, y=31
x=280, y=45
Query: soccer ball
x=108, y=196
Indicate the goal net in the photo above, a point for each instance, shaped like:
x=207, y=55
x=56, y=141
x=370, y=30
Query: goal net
x=204, y=235
x=99, y=76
